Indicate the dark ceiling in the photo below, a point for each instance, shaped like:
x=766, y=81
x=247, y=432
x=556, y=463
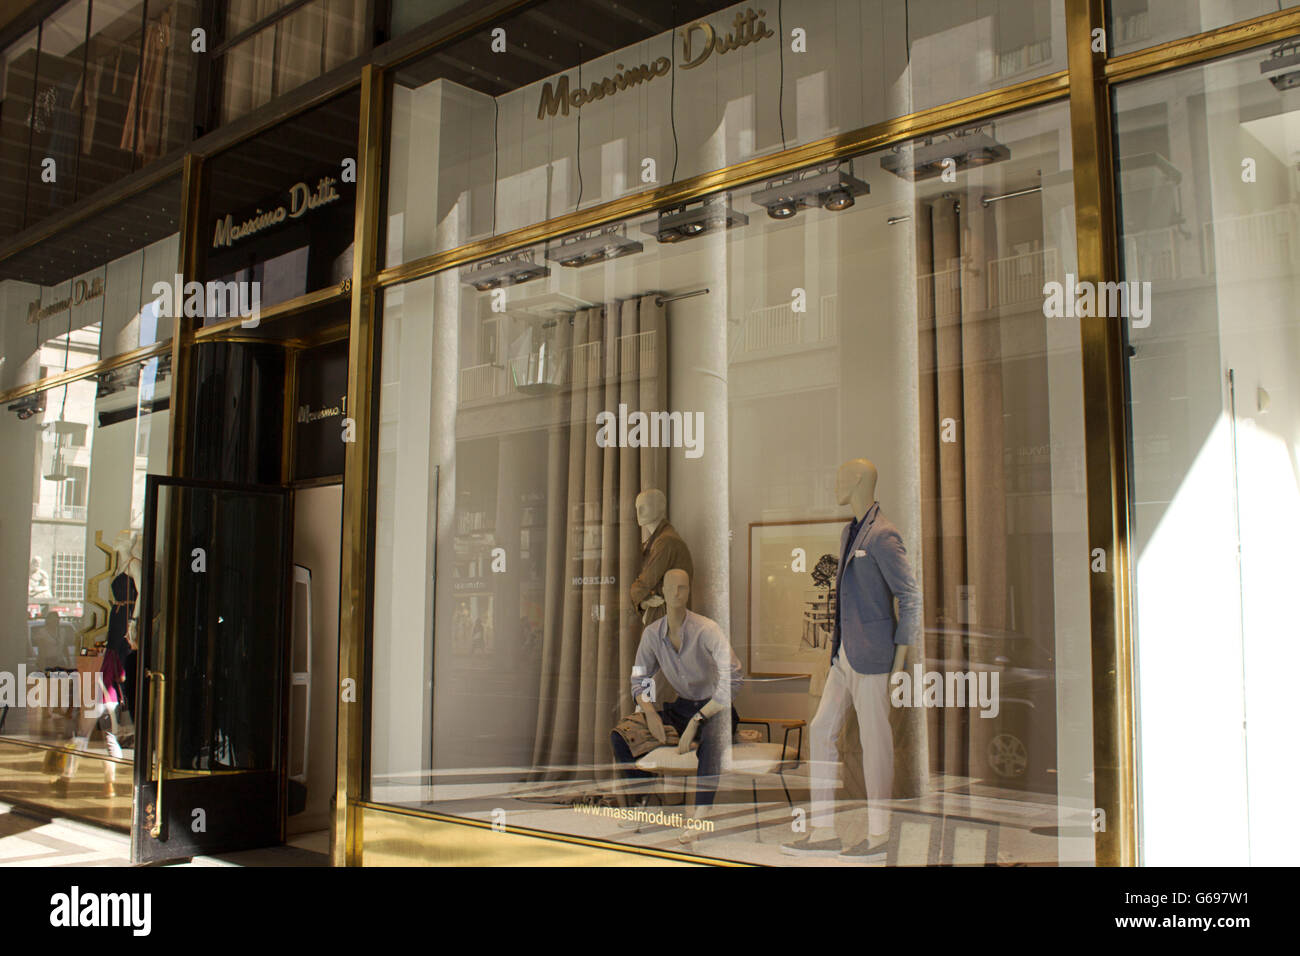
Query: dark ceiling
x=127, y=225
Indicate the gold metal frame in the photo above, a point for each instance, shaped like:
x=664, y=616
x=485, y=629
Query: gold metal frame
x=1086, y=85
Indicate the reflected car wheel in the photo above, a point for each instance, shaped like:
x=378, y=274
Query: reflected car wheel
x=1008, y=756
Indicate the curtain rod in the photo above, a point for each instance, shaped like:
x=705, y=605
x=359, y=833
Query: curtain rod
x=988, y=200
x=985, y=202
x=662, y=299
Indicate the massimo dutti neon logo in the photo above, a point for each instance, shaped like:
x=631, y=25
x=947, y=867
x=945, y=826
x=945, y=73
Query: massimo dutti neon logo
x=699, y=42
x=651, y=430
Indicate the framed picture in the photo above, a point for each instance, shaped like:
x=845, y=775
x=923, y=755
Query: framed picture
x=792, y=567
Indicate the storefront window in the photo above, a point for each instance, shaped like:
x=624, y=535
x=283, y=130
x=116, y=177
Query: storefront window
x=1210, y=205
x=406, y=15
x=577, y=437
x=273, y=51
x=484, y=142
x=101, y=89
x=62, y=322
x=75, y=462
x=1135, y=24
x=18, y=123
x=281, y=205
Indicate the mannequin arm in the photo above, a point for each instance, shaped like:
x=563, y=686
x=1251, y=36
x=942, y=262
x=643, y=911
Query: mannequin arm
x=900, y=658
x=652, y=719
x=693, y=726
x=642, y=590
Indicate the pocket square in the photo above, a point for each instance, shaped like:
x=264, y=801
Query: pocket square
x=859, y=554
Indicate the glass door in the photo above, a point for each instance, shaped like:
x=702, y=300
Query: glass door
x=213, y=639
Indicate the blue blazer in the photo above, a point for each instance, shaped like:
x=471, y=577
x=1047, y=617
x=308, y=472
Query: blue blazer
x=867, y=582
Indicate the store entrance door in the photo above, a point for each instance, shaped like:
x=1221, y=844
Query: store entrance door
x=210, y=724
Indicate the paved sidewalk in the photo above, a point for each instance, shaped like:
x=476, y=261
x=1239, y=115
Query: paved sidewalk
x=27, y=839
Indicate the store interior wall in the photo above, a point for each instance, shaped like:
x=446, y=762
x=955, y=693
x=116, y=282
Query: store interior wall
x=317, y=540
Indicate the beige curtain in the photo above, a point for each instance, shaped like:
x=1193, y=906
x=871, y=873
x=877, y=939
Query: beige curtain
x=963, y=489
x=248, y=69
x=590, y=633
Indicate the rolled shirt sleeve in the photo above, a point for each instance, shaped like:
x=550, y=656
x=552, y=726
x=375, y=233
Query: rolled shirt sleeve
x=728, y=676
x=644, y=667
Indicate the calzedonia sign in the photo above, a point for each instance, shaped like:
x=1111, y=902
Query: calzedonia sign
x=302, y=199
x=700, y=41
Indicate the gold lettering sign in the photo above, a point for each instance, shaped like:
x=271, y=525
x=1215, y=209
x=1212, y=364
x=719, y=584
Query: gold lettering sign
x=699, y=41
x=301, y=199
x=82, y=291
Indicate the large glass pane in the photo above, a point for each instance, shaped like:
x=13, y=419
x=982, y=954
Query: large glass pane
x=74, y=469
x=112, y=60
x=589, y=102
x=279, y=212
x=1211, y=237
x=280, y=57
x=17, y=125
x=62, y=322
x=569, y=431
x=56, y=124
x=1135, y=24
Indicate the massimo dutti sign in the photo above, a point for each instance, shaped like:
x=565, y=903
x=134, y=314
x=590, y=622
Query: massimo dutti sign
x=302, y=199
x=700, y=40
x=82, y=291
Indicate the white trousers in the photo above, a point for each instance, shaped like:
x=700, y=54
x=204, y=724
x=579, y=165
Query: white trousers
x=868, y=694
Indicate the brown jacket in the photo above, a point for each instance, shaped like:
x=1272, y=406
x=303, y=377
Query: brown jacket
x=664, y=552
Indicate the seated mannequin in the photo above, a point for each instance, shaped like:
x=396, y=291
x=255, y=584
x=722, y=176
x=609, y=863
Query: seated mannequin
x=695, y=657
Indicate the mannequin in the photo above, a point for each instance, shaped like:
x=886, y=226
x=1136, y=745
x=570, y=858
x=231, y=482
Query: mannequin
x=38, y=582
x=698, y=662
x=869, y=644
x=663, y=550
x=123, y=621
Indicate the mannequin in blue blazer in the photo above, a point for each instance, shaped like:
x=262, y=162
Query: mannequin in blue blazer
x=869, y=644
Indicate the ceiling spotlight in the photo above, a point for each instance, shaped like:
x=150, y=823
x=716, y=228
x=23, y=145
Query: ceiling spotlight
x=831, y=187
x=837, y=199
x=964, y=149
x=692, y=219
x=596, y=246
x=29, y=406
x=510, y=269
x=1283, y=65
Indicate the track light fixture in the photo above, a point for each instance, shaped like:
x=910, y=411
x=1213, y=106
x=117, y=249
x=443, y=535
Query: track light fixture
x=966, y=149
x=693, y=219
x=29, y=406
x=598, y=245
x=831, y=187
x=510, y=269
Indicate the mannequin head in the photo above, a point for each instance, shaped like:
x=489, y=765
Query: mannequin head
x=855, y=485
x=651, y=508
x=677, y=589
x=127, y=545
